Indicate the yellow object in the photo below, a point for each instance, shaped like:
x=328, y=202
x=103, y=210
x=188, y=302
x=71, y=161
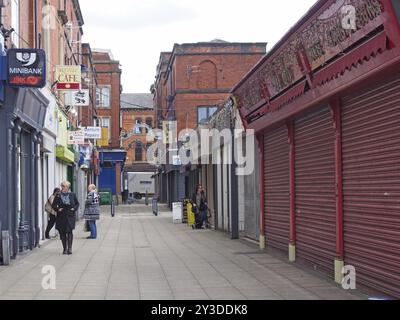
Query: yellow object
x=191, y=217
x=339, y=265
x=104, y=141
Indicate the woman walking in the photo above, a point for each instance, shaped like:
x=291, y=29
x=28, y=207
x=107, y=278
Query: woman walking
x=92, y=210
x=51, y=213
x=66, y=205
x=199, y=203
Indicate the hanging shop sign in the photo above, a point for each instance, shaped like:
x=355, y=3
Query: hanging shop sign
x=78, y=98
x=26, y=68
x=76, y=137
x=169, y=132
x=93, y=133
x=68, y=77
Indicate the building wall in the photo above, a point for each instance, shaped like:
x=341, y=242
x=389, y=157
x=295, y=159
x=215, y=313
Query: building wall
x=129, y=117
x=109, y=73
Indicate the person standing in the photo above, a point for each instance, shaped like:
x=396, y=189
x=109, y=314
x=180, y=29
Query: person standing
x=51, y=213
x=199, y=203
x=66, y=205
x=92, y=210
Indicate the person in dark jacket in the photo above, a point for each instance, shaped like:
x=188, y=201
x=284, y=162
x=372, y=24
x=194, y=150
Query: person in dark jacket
x=66, y=205
x=51, y=213
x=200, y=207
x=92, y=210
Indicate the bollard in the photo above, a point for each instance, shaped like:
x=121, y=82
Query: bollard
x=146, y=200
x=5, y=239
x=112, y=208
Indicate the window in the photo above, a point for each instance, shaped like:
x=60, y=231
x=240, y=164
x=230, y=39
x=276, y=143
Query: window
x=138, y=151
x=138, y=126
x=106, y=123
x=205, y=113
x=103, y=97
x=15, y=22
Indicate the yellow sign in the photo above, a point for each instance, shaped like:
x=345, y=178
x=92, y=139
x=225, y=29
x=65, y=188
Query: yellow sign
x=104, y=141
x=68, y=77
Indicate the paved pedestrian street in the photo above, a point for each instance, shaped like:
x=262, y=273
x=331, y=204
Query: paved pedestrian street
x=141, y=256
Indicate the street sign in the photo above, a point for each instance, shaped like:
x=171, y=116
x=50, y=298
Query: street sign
x=76, y=137
x=68, y=77
x=26, y=68
x=79, y=98
x=93, y=133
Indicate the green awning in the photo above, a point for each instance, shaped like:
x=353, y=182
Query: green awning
x=65, y=155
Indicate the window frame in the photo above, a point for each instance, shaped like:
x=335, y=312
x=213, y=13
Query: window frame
x=100, y=97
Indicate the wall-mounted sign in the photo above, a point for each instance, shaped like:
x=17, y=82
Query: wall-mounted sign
x=68, y=77
x=26, y=68
x=169, y=132
x=93, y=133
x=76, y=137
x=79, y=98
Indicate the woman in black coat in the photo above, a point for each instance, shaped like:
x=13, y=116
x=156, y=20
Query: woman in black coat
x=66, y=205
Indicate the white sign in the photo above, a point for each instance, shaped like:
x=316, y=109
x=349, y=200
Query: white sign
x=79, y=98
x=76, y=137
x=176, y=160
x=177, y=212
x=93, y=133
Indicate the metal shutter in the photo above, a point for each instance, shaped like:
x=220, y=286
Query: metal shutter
x=315, y=190
x=371, y=172
x=276, y=179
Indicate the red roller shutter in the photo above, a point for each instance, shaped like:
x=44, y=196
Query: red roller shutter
x=315, y=190
x=371, y=172
x=276, y=179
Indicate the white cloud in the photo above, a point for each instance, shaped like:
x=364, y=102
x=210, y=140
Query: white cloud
x=137, y=31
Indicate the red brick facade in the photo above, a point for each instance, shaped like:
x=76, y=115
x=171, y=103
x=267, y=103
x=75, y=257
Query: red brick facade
x=109, y=75
x=200, y=74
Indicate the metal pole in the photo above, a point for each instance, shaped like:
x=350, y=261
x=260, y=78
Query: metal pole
x=234, y=194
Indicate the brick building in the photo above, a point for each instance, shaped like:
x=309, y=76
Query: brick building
x=191, y=82
x=137, y=113
x=108, y=105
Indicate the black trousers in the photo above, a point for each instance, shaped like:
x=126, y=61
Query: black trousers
x=50, y=225
x=67, y=239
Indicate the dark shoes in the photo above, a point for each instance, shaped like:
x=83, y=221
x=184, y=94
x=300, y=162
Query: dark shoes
x=65, y=252
x=69, y=253
x=91, y=238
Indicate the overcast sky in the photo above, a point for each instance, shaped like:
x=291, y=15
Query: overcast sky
x=137, y=31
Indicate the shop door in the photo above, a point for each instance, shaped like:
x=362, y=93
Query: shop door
x=371, y=172
x=315, y=190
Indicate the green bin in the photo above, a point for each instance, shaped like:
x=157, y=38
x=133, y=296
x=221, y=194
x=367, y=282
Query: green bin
x=105, y=196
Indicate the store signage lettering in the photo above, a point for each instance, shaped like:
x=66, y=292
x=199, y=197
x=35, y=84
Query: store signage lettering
x=93, y=133
x=78, y=98
x=26, y=68
x=76, y=137
x=68, y=77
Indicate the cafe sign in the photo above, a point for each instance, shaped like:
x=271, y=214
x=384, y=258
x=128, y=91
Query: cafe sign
x=26, y=68
x=68, y=77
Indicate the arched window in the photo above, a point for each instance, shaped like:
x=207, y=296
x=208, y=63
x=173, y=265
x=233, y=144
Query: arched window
x=207, y=77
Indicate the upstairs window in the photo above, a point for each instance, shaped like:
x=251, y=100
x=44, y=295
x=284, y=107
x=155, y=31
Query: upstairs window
x=204, y=113
x=103, y=97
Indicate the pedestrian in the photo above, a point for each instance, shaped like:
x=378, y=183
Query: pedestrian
x=200, y=206
x=92, y=210
x=66, y=205
x=51, y=213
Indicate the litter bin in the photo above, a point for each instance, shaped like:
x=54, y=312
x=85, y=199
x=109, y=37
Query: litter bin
x=105, y=196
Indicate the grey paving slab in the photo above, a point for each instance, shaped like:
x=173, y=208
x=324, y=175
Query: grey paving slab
x=140, y=256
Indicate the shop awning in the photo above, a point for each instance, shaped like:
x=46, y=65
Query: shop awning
x=65, y=155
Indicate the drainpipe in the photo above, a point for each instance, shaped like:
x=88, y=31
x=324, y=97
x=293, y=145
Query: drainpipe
x=36, y=24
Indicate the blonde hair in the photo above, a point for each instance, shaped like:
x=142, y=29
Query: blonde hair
x=92, y=187
x=66, y=184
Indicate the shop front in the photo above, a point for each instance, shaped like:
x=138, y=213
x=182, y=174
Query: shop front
x=22, y=119
x=324, y=103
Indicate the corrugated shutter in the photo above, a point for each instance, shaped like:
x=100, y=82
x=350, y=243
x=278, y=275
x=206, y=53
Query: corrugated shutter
x=276, y=179
x=371, y=172
x=315, y=190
